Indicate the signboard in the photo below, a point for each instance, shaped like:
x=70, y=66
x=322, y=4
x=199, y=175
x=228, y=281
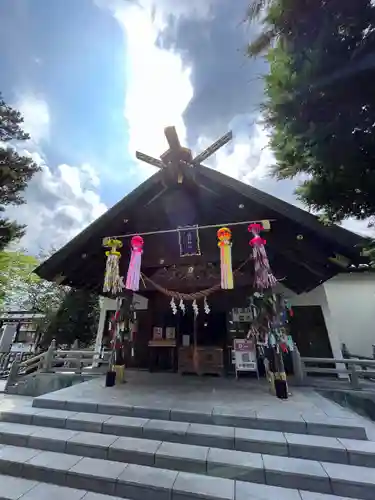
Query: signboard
x=157, y=333
x=170, y=333
x=244, y=356
x=242, y=315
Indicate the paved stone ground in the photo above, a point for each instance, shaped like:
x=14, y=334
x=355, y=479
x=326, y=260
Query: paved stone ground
x=161, y=390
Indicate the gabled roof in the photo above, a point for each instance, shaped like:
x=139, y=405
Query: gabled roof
x=310, y=258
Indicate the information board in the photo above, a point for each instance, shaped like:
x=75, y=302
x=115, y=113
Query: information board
x=245, y=357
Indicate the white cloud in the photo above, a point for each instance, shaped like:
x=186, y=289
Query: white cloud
x=36, y=117
x=359, y=226
x=59, y=205
x=158, y=86
x=60, y=202
x=249, y=158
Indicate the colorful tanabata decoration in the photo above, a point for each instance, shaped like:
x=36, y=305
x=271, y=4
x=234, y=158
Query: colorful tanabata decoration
x=134, y=271
x=224, y=235
x=112, y=280
x=263, y=277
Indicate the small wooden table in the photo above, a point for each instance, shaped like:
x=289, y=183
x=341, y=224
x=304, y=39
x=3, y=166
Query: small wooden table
x=155, y=345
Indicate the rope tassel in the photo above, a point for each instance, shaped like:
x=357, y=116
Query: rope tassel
x=263, y=276
x=224, y=235
x=134, y=271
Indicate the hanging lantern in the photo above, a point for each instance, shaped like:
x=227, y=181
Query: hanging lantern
x=224, y=235
x=112, y=280
x=263, y=277
x=134, y=270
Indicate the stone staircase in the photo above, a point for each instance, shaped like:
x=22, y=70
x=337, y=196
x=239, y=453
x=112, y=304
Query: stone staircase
x=68, y=450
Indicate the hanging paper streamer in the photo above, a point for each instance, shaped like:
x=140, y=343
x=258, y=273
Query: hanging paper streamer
x=195, y=308
x=173, y=306
x=182, y=306
x=134, y=271
x=206, y=306
x=263, y=278
x=224, y=235
x=112, y=280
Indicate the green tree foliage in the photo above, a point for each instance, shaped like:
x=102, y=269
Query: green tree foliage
x=15, y=170
x=320, y=108
x=16, y=274
x=76, y=319
x=22, y=289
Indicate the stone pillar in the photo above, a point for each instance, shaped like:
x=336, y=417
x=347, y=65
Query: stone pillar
x=298, y=370
x=332, y=334
x=99, y=334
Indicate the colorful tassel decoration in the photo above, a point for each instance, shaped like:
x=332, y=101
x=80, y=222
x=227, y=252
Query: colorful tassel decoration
x=112, y=279
x=224, y=235
x=263, y=278
x=134, y=271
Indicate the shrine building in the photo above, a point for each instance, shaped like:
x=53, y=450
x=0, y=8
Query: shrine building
x=178, y=212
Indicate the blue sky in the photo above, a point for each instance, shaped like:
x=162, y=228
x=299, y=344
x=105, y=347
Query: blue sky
x=72, y=54
x=98, y=79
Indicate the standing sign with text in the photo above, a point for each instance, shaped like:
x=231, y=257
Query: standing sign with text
x=245, y=357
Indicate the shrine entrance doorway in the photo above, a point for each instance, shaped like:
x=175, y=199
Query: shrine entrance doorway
x=206, y=332
x=210, y=329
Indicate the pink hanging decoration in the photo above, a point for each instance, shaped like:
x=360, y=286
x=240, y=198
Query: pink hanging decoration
x=263, y=277
x=134, y=271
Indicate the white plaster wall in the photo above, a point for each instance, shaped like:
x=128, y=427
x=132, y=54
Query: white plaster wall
x=351, y=299
x=140, y=303
x=317, y=297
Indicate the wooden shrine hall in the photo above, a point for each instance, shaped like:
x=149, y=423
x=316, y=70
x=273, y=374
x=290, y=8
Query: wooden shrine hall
x=178, y=212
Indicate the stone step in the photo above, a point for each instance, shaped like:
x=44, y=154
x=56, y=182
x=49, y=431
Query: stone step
x=328, y=449
x=287, y=422
x=137, y=482
x=321, y=477
x=14, y=488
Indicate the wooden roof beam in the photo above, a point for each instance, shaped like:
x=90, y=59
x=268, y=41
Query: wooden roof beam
x=172, y=138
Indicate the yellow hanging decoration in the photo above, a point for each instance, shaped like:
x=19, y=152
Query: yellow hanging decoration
x=224, y=235
x=112, y=279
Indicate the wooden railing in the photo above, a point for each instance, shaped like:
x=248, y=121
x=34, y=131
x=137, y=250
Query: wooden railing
x=55, y=361
x=354, y=370
x=6, y=360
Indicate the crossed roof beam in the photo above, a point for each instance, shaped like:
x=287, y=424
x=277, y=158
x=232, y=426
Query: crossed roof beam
x=178, y=153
